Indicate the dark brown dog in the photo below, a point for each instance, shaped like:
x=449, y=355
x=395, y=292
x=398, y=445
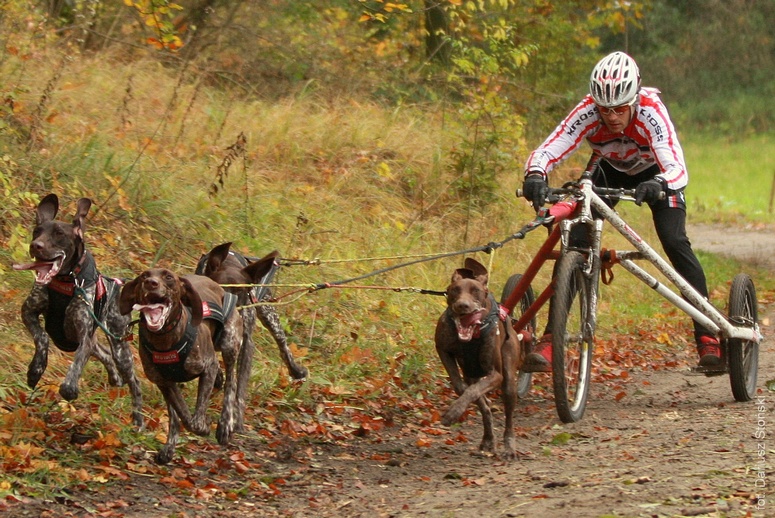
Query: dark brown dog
x=184, y=320
x=227, y=267
x=74, y=299
x=472, y=337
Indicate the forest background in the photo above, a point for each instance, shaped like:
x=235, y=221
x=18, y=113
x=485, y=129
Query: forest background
x=351, y=136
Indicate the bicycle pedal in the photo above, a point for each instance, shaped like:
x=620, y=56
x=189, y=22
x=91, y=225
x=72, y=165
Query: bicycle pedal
x=716, y=370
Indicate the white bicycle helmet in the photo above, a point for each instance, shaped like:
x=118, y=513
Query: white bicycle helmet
x=615, y=80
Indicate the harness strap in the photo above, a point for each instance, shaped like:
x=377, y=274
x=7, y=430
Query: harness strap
x=64, y=287
x=171, y=364
x=606, y=268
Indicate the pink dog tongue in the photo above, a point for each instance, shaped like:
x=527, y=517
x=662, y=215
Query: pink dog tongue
x=44, y=270
x=466, y=324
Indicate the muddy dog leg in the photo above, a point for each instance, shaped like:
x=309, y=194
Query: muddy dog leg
x=103, y=355
x=244, y=366
x=509, y=395
x=32, y=308
x=468, y=394
x=78, y=316
x=488, y=438
x=271, y=320
x=229, y=345
x=122, y=356
x=472, y=393
x=121, y=352
x=167, y=451
x=197, y=423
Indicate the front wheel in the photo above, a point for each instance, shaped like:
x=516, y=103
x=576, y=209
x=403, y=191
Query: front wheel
x=572, y=328
x=524, y=379
x=743, y=356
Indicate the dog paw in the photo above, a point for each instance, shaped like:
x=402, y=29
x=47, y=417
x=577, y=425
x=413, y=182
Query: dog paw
x=138, y=421
x=115, y=380
x=201, y=428
x=223, y=434
x=509, y=455
x=68, y=392
x=487, y=445
x=452, y=415
x=447, y=420
x=509, y=448
x=33, y=377
x=164, y=456
x=299, y=373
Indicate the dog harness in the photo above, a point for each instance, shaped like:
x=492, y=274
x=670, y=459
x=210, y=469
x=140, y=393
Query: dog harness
x=171, y=363
x=61, y=291
x=256, y=293
x=472, y=367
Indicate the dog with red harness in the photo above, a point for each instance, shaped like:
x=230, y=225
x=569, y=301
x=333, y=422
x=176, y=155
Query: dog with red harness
x=183, y=322
x=479, y=351
x=74, y=299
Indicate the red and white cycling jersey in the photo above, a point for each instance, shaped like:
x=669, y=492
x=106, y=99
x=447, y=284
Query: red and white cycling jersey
x=648, y=139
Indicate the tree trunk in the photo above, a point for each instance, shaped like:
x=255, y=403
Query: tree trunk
x=437, y=46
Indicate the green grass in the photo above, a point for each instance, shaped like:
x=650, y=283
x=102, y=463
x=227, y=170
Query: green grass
x=730, y=179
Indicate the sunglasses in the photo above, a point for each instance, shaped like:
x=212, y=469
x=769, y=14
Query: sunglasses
x=618, y=110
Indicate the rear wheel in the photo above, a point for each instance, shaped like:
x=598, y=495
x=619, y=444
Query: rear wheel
x=572, y=336
x=743, y=355
x=524, y=379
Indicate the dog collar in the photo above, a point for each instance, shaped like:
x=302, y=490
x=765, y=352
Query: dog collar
x=497, y=312
x=171, y=363
x=491, y=318
x=84, y=274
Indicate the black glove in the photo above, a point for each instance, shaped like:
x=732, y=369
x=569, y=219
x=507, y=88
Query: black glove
x=535, y=189
x=649, y=191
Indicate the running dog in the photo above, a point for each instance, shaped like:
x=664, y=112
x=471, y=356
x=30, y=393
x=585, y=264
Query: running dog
x=74, y=299
x=227, y=267
x=474, y=336
x=183, y=322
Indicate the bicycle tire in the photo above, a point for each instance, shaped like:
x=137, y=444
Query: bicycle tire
x=572, y=337
x=743, y=355
x=524, y=379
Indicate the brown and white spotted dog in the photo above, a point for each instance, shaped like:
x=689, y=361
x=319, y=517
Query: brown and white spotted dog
x=226, y=267
x=474, y=336
x=183, y=322
x=74, y=299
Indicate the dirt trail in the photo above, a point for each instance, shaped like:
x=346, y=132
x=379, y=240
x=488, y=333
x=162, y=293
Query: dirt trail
x=754, y=244
x=662, y=443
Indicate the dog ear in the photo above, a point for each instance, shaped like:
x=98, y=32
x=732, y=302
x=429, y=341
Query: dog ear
x=47, y=209
x=462, y=273
x=84, y=204
x=190, y=297
x=478, y=270
x=216, y=257
x=127, y=298
x=258, y=269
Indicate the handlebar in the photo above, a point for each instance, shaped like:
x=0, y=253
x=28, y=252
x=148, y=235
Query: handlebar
x=558, y=193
